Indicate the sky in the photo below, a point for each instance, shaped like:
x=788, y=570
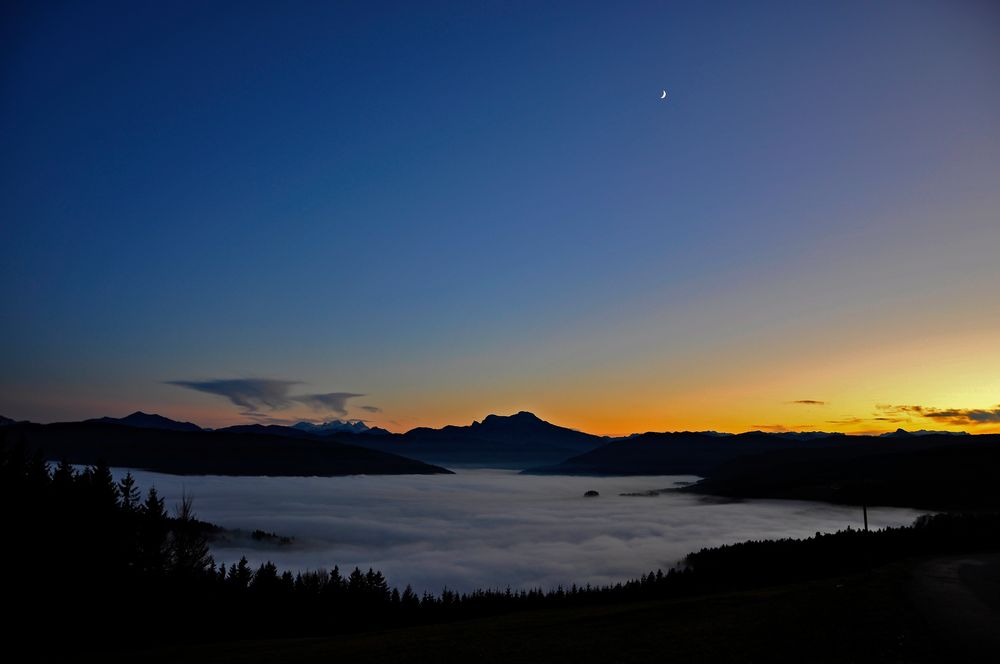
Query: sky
x=422, y=213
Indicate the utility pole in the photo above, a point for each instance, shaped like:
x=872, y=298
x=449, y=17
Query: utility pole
x=864, y=500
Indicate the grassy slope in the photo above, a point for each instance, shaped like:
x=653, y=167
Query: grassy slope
x=865, y=617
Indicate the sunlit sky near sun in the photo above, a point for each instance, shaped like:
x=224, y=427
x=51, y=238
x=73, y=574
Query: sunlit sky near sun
x=452, y=209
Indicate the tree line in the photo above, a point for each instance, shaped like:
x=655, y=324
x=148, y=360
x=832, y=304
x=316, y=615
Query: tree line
x=101, y=564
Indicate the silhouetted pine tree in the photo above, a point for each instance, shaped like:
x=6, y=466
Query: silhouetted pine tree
x=103, y=490
x=266, y=581
x=240, y=575
x=356, y=584
x=62, y=479
x=153, y=555
x=189, y=555
x=129, y=493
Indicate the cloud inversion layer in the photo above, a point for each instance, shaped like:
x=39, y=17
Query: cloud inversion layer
x=255, y=395
x=491, y=528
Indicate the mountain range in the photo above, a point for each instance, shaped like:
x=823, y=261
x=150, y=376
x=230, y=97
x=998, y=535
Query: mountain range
x=514, y=441
x=920, y=468
x=681, y=453
x=173, y=447
x=143, y=420
x=935, y=471
x=922, y=432
x=339, y=426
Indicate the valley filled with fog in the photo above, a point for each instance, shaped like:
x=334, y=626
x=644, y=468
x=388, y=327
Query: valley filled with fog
x=489, y=528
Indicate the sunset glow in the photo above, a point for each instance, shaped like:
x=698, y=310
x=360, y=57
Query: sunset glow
x=810, y=216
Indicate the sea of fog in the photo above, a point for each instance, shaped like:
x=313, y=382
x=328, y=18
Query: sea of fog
x=489, y=528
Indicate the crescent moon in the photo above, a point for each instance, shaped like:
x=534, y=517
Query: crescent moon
x=664, y=95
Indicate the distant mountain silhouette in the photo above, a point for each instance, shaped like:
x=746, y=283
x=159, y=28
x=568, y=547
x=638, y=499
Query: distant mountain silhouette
x=270, y=430
x=704, y=454
x=922, y=432
x=514, y=441
x=522, y=428
x=799, y=435
x=333, y=426
x=143, y=420
x=520, y=441
x=930, y=471
x=681, y=453
x=202, y=452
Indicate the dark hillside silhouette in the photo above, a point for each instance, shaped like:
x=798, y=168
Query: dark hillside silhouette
x=931, y=472
x=671, y=454
x=271, y=430
x=148, y=421
x=207, y=452
x=704, y=454
x=515, y=441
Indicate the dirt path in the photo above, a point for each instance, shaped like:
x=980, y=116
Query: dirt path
x=959, y=598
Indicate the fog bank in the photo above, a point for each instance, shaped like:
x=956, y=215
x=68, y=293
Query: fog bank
x=489, y=528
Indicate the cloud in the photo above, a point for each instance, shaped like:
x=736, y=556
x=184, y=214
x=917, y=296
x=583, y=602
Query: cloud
x=334, y=402
x=863, y=420
x=490, y=528
x=257, y=397
x=371, y=409
x=781, y=428
x=250, y=394
x=809, y=402
x=264, y=418
x=960, y=416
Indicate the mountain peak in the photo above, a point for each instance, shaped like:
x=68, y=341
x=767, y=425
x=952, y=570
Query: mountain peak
x=922, y=432
x=143, y=420
x=520, y=417
x=333, y=426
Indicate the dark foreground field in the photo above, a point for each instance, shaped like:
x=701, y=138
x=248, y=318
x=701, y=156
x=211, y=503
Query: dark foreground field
x=924, y=610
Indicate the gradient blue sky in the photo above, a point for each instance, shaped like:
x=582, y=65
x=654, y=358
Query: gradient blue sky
x=462, y=208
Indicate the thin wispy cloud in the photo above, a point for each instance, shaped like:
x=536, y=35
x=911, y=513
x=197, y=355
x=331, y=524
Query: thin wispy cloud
x=258, y=398
x=808, y=402
x=864, y=420
x=959, y=416
x=264, y=418
x=371, y=409
x=251, y=394
x=781, y=428
x=333, y=402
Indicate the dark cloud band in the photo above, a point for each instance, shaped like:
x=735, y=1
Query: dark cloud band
x=966, y=416
x=255, y=395
x=334, y=402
